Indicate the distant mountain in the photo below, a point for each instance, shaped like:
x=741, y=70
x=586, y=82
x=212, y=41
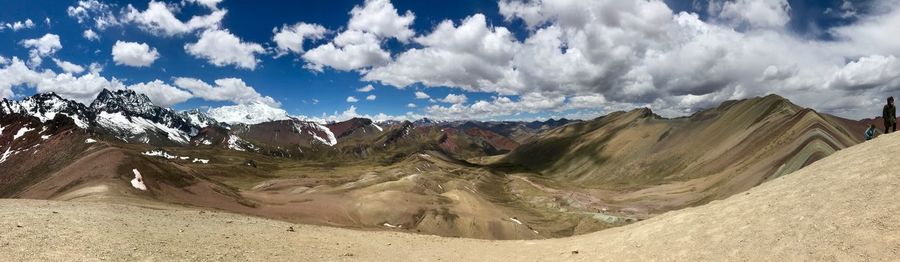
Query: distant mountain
x=130, y=117
x=252, y=113
x=122, y=114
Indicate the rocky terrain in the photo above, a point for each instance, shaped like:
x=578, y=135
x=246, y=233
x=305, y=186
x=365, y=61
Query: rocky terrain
x=486, y=180
x=841, y=208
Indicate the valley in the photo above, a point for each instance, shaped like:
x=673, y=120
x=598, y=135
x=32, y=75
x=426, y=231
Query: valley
x=486, y=180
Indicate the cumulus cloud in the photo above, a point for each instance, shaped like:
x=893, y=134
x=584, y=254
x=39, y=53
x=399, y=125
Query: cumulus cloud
x=226, y=89
x=82, y=88
x=365, y=89
x=90, y=35
x=161, y=93
x=455, y=99
x=221, y=48
x=411, y=105
x=18, y=25
x=352, y=99
x=350, y=50
x=211, y=4
x=101, y=14
x=159, y=19
x=371, y=97
x=422, y=95
x=359, y=46
x=752, y=13
x=68, y=67
x=134, y=54
x=290, y=39
x=42, y=47
x=634, y=53
x=868, y=72
x=379, y=17
x=473, y=56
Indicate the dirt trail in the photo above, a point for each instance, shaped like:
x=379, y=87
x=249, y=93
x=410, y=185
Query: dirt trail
x=843, y=207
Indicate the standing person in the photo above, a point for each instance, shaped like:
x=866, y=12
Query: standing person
x=890, y=116
x=870, y=133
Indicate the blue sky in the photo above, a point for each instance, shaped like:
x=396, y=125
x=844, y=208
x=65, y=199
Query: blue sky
x=624, y=71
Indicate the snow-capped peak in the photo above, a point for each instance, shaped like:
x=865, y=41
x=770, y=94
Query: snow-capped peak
x=122, y=100
x=252, y=113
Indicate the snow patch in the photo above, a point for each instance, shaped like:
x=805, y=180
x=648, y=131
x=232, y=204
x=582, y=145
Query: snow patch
x=6, y=154
x=378, y=127
x=233, y=143
x=159, y=153
x=392, y=226
x=90, y=141
x=138, y=181
x=138, y=126
x=516, y=220
x=45, y=137
x=332, y=140
x=22, y=132
x=197, y=160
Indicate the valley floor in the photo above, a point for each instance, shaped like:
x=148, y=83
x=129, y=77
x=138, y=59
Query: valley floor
x=843, y=207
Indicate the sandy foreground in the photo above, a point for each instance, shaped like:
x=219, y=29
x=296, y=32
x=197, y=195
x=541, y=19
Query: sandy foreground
x=844, y=207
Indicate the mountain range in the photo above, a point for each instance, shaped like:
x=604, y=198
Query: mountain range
x=481, y=179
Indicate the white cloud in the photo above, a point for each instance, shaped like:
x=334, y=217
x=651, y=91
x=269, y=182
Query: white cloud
x=18, y=25
x=867, y=73
x=350, y=50
x=90, y=35
x=473, y=56
x=291, y=38
x=371, y=97
x=455, y=99
x=82, y=88
x=99, y=13
x=753, y=13
x=365, y=89
x=159, y=19
x=359, y=47
x=636, y=53
x=226, y=89
x=411, y=105
x=134, y=54
x=211, y=4
x=68, y=67
x=95, y=68
x=161, y=93
x=222, y=48
x=352, y=99
x=422, y=95
x=42, y=47
x=379, y=17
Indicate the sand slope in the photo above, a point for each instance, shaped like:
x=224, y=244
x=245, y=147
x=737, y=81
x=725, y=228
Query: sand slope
x=844, y=207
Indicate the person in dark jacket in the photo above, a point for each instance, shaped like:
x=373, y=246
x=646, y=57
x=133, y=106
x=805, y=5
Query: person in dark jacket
x=871, y=132
x=890, y=116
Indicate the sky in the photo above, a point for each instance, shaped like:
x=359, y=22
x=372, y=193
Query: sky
x=486, y=60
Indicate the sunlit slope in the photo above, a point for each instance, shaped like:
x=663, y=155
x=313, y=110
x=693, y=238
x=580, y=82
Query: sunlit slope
x=718, y=152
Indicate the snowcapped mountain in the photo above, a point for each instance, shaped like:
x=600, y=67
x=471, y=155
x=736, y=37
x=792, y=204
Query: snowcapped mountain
x=121, y=114
x=132, y=117
x=250, y=114
x=46, y=106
